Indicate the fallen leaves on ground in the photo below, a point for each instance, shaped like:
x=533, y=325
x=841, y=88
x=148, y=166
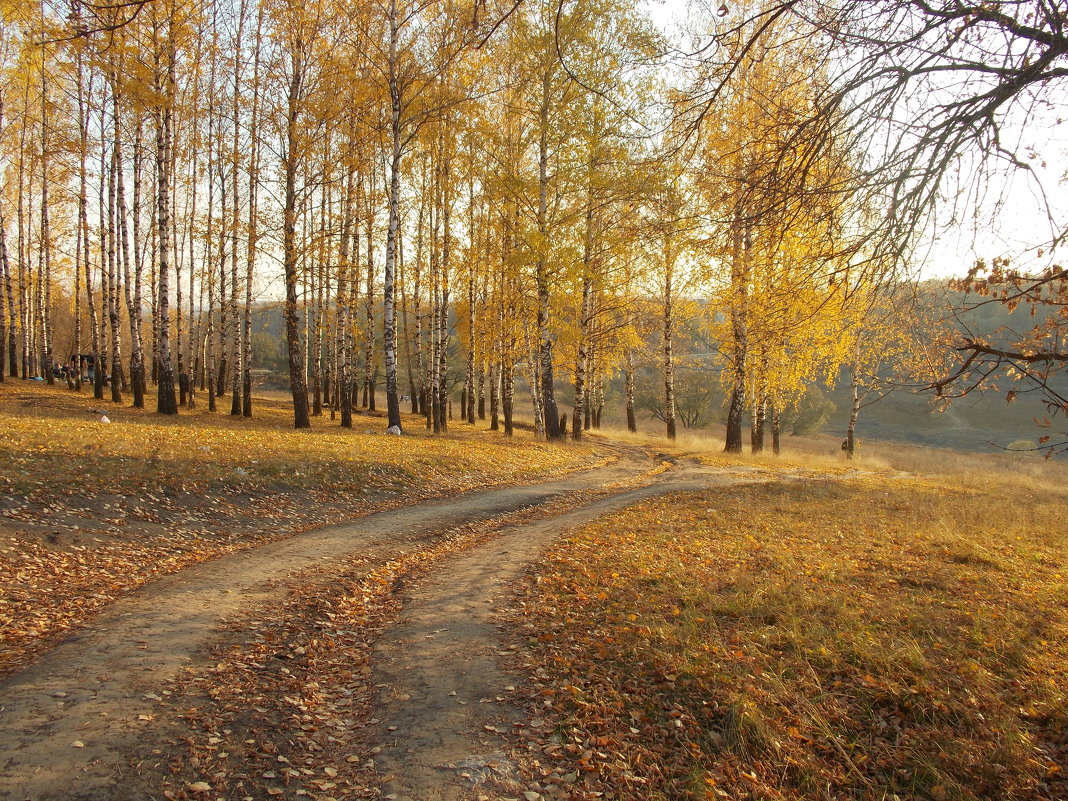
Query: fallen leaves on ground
x=90, y=511
x=803, y=640
x=287, y=707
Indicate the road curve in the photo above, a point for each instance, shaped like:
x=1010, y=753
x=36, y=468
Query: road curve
x=69, y=719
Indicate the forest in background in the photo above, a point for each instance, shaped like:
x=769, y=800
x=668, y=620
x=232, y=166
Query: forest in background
x=510, y=191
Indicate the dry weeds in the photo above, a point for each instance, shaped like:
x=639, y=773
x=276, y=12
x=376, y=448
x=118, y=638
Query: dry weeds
x=875, y=638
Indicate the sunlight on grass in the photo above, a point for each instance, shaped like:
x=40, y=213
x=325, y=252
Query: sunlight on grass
x=822, y=453
x=55, y=443
x=837, y=639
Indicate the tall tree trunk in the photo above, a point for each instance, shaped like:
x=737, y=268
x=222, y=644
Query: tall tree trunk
x=548, y=394
x=209, y=233
x=317, y=270
x=345, y=273
x=166, y=402
x=237, y=352
x=224, y=305
x=12, y=333
x=419, y=392
x=669, y=325
x=179, y=320
x=209, y=332
x=389, y=333
x=582, y=361
x=760, y=407
x=775, y=429
x=482, y=382
x=598, y=384
x=153, y=280
x=133, y=313
x=854, y=412
x=114, y=322
x=23, y=267
x=6, y=296
x=46, y=240
x=433, y=400
x=297, y=384
x=137, y=365
x=369, y=313
x=253, y=223
x=446, y=263
x=759, y=424
x=187, y=363
x=536, y=398
x=583, y=358
x=413, y=386
x=468, y=410
x=104, y=228
x=198, y=369
x=632, y=420
x=508, y=396
x=36, y=361
x=83, y=225
x=6, y=320
x=250, y=262
x=8, y=334
x=469, y=402
x=504, y=382
x=430, y=384
x=494, y=395
x=740, y=335
x=353, y=303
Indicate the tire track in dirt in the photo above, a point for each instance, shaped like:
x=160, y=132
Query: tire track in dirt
x=68, y=720
x=437, y=670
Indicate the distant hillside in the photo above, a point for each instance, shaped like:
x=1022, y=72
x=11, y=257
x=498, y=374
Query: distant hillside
x=979, y=422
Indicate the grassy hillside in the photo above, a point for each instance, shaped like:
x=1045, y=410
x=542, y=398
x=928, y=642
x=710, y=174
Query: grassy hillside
x=979, y=422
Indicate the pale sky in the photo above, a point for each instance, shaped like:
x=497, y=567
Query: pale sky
x=1008, y=219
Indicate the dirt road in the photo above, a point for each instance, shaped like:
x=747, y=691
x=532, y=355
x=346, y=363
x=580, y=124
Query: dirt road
x=68, y=722
x=442, y=721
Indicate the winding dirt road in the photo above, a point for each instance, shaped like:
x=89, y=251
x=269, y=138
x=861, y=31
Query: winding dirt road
x=69, y=721
x=441, y=721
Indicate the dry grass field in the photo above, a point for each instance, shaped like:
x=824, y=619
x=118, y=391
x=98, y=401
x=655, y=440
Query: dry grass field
x=839, y=632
